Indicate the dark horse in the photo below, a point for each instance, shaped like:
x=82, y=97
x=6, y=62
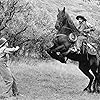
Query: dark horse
x=87, y=62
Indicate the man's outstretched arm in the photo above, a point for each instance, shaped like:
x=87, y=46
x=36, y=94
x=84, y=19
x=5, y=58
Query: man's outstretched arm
x=7, y=50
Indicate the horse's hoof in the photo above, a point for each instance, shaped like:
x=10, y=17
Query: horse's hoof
x=93, y=91
x=85, y=89
x=88, y=90
x=63, y=61
x=98, y=91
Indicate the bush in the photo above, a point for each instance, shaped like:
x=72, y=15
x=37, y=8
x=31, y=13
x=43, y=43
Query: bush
x=29, y=26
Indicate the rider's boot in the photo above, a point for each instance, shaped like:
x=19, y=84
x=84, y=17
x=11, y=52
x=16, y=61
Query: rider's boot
x=78, y=51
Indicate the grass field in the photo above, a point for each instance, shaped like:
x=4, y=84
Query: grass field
x=51, y=81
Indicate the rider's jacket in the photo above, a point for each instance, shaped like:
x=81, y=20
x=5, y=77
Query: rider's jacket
x=85, y=27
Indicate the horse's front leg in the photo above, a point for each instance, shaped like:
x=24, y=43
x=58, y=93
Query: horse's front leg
x=85, y=69
x=54, y=55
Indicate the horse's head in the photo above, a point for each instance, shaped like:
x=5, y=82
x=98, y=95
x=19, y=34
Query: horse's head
x=60, y=19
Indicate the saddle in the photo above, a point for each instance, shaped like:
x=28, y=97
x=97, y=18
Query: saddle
x=91, y=48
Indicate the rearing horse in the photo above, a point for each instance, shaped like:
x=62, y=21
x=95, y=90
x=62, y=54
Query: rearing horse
x=65, y=26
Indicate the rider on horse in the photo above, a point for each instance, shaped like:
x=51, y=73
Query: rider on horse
x=68, y=36
x=85, y=29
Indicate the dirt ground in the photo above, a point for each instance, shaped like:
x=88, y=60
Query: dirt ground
x=50, y=81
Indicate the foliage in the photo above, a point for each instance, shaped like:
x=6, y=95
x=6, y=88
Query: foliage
x=29, y=24
x=26, y=25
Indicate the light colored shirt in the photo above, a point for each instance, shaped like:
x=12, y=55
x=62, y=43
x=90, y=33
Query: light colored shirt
x=4, y=50
x=86, y=28
x=84, y=25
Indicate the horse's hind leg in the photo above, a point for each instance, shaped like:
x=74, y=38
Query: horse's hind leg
x=96, y=81
x=85, y=69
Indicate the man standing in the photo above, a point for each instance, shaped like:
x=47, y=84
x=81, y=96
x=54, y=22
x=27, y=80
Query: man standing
x=4, y=70
x=85, y=29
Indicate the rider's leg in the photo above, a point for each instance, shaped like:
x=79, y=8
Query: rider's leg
x=79, y=42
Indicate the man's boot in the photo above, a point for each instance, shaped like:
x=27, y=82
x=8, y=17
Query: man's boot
x=14, y=89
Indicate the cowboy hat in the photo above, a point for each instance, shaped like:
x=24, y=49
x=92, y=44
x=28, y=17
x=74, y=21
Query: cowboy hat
x=2, y=41
x=82, y=17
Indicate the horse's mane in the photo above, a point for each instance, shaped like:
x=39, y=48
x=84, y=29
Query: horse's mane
x=71, y=23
